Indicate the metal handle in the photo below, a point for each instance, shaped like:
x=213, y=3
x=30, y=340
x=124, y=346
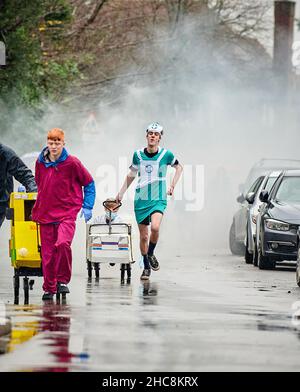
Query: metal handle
x=38, y=238
x=111, y=201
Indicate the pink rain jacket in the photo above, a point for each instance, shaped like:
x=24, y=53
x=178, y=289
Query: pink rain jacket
x=60, y=194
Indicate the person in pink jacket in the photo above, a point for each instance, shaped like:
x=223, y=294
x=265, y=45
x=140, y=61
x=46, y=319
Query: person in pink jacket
x=64, y=187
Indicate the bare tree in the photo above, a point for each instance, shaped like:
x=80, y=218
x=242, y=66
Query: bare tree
x=114, y=35
x=83, y=24
x=243, y=17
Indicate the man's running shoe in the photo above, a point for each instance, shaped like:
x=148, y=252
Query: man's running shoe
x=146, y=274
x=47, y=296
x=154, y=264
x=62, y=288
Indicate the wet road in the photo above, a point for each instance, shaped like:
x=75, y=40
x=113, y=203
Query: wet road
x=204, y=313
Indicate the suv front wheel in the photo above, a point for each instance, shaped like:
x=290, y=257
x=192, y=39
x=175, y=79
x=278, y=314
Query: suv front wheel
x=264, y=262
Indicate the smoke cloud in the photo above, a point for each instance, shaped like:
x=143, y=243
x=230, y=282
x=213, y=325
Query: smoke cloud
x=215, y=95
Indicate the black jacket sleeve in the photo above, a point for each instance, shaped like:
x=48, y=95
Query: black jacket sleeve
x=17, y=168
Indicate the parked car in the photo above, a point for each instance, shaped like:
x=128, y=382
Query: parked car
x=265, y=166
x=298, y=260
x=237, y=232
x=278, y=221
x=252, y=211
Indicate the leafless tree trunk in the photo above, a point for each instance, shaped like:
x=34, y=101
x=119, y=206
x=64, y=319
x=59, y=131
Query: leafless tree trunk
x=91, y=18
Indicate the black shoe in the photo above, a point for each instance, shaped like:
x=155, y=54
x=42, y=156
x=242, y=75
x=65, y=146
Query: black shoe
x=154, y=264
x=47, y=296
x=146, y=274
x=112, y=264
x=146, y=287
x=62, y=288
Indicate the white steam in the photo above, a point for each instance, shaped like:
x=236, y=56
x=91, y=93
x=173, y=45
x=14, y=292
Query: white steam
x=216, y=98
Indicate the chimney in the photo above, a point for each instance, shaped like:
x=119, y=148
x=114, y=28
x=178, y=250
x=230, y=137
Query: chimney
x=283, y=40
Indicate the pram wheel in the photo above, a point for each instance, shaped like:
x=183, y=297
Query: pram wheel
x=26, y=290
x=89, y=268
x=122, y=272
x=16, y=289
x=97, y=270
x=128, y=269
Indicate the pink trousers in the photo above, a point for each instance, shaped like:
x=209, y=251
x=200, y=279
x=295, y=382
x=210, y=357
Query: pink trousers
x=56, y=240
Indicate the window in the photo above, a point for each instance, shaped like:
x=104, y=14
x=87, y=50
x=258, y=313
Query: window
x=256, y=185
x=289, y=190
x=270, y=183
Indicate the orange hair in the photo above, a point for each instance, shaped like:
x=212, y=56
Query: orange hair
x=56, y=134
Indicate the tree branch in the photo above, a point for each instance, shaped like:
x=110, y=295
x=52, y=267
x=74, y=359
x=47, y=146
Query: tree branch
x=90, y=19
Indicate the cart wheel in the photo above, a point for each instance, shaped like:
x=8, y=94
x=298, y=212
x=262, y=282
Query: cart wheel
x=26, y=290
x=89, y=268
x=128, y=269
x=16, y=289
x=122, y=272
x=97, y=270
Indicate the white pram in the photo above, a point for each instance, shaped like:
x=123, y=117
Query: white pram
x=109, y=243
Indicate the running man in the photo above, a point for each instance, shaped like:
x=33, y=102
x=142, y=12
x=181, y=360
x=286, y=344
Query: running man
x=150, y=196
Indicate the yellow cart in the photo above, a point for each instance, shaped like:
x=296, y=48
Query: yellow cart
x=24, y=248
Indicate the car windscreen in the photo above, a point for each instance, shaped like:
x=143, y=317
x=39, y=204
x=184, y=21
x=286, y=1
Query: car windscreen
x=289, y=190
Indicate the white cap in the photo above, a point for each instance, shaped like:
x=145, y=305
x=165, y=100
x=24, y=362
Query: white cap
x=155, y=127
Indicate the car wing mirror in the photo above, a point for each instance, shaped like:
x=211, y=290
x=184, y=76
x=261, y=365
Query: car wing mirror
x=240, y=198
x=250, y=197
x=264, y=196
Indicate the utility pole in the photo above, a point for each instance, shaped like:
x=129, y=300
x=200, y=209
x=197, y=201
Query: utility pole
x=284, y=13
x=2, y=45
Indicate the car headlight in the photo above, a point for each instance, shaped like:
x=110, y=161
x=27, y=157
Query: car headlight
x=273, y=224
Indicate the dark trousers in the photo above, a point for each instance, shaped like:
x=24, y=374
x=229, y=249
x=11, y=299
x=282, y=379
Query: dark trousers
x=2, y=213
